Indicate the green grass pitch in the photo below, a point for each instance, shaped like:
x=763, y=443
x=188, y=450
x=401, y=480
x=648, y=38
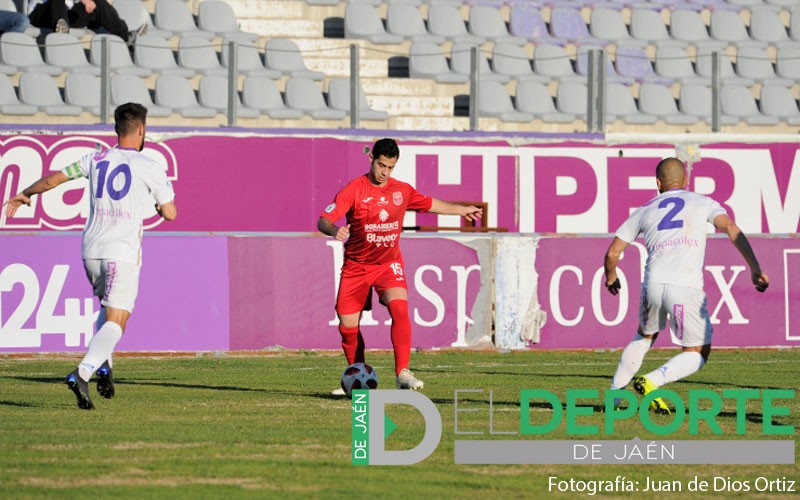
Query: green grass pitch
x=237, y=426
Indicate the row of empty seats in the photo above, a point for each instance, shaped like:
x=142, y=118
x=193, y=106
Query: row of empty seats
x=152, y=54
x=174, y=94
x=567, y=25
x=655, y=102
x=630, y=64
x=619, y=4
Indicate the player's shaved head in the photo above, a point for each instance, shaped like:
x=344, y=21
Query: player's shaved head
x=671, y=174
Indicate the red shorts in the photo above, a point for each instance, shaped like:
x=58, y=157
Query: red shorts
x=358, y=280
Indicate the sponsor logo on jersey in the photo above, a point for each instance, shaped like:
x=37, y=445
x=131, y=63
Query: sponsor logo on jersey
x=388, y=226
x=367, y=199
x=330, y=208
x=397, y=198
x=382, y=202
x=383, y=215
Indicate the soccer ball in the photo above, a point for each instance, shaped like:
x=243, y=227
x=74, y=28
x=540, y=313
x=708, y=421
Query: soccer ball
x=359, y=376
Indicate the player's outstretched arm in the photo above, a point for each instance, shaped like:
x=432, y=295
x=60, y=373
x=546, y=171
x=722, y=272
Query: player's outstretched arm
x=43, y=185
x=739, y=240
x=613, y=255
x=469, y=212
x=328, y=228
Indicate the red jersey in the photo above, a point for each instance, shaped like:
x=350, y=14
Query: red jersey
x=375, y=215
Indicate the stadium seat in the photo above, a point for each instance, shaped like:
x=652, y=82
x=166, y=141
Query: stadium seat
x=688, y=26
x=154, y=52
x=263, y=94
x=406, y=20
x=339, y=97
x=571, y=97
x=633, y=62
x=83, y=90
x=120, y=56
x=696, y=100
x=63, y=49
x=428, y=61
x=198, y=54
x=788, y=61
x=620, y=103
x=553, y=62
x=175, y=17
x=728, y=75
x=40, y=90
x=176, y=92
x=248, y=60
x=674, y=63
x=727, y=26
x=512, y=61
x=213, y=93
x=282, y=54
x=767, y=26
x=568, y=23
x=739, y=102
x=648, y=25
x=778, y=101
x=9, y=102
x=754, y=63
x=445, y=20
x=657, y=100
x=304, y=94
x=20, y=50
x=362, y=21
x=217, y=17
x=494, y=102
x=134, y=13
x=131, y=88
x=486, y=22
x=534, y=98
x=582, y=66
x=526, y=21
x=461, y=60
x=794, y=24
x=608, y=24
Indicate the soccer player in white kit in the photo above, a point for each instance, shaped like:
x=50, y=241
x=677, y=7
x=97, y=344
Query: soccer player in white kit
x=674, y=225
x=124, y=183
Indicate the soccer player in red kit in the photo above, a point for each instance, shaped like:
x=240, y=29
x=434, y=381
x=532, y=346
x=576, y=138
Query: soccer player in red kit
x=374, y=205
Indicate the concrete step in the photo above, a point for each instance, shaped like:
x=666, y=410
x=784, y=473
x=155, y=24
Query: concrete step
x=284, y=28
x=413, y=106
x=370, y=68
x=429, y=123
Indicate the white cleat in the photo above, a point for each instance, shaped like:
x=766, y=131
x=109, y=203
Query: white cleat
x=407, y=380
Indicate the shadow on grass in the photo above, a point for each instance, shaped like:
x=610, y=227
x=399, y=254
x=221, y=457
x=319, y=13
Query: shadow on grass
x=21, y=405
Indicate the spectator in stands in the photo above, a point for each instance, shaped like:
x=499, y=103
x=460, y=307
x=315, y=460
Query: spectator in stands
x=13, y=21
x=59, y=15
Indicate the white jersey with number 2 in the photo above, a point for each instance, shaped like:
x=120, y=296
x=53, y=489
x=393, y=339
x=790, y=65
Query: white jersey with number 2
x=125, y=185
x=674, y=225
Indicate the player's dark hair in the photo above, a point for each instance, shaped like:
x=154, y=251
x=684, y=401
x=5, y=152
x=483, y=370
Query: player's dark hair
x=128, y=116
x=385, y=147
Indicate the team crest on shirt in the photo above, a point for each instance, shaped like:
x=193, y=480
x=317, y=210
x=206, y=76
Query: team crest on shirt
x=397, y=198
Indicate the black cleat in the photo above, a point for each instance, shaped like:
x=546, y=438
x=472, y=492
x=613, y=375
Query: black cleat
x=81, y=390
x=105, y=381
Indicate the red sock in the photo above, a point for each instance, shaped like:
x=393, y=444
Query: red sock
x=352, y=344
x=401, y=334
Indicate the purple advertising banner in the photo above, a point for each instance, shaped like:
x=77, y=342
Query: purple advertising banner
x=582, y=314
x=264, y=183
x=46, y=302
x=283, y=292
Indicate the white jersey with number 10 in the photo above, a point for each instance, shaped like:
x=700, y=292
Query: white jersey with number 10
x=674, y=225
x=124, y=185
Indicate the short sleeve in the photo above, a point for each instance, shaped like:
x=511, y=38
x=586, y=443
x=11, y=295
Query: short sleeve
x=342, y=202
x=630, y=229
x=418, y=201
x=714, y=210
x=159, y=185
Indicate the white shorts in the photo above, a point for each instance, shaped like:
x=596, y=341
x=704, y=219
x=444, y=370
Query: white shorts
x=115, y=283
x=689, y=323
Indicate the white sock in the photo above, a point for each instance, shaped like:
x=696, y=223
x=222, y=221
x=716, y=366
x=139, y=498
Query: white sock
x=681, y=366
x=100, y=348
x=101, y=320
x=630, y=361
